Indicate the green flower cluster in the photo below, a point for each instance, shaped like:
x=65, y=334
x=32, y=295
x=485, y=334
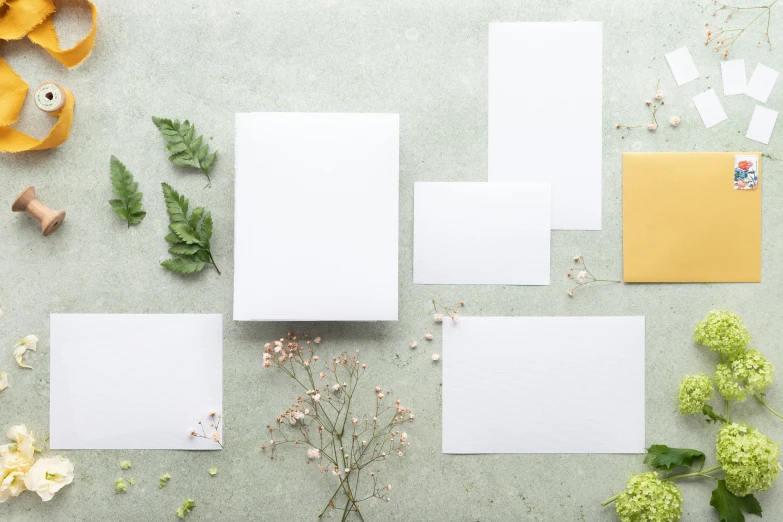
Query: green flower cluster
x=695, y=391
x=723, y=332
x=748, y=457
x=649, y=499
x=748, y=374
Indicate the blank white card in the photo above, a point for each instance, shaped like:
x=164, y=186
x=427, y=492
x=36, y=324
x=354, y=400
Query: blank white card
x=500, y=233
x=543, y=385
x=134, y=381
x=545, y=113
x=316, y=228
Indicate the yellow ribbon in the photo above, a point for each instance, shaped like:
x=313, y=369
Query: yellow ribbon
x=33, y=18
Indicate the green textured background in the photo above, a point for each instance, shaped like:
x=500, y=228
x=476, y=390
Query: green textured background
x=428, y=61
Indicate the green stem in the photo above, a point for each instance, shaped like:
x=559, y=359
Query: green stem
x=703, y=473
x=212, y=260
x=761, y=401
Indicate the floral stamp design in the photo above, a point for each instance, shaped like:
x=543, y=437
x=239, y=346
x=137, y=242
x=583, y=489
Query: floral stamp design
x=746, y=175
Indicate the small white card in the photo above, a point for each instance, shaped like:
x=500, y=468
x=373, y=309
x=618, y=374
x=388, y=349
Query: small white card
x=134, y=381
x=762, y=82
x=682, y=65
x=482, y=233
x=761, y=124
x=709, y=107
x=543, y=385
x=734, y=79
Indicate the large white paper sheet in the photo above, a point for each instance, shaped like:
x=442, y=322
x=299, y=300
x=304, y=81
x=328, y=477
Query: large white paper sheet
x=762, y=124
x=682, y=66
x=710, y=108
x=545, y=113
x=543, y=385
x=316, y=228
x=481, y=233
x=734, y=79
x=134, y=381
x=762, y=82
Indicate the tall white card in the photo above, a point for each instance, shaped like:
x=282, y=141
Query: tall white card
x=761, y=83
x=682, y=66
x=710, y=108
x=762, y=124
x=500, y=234
x=545, y=113
x=316, y=229
x=134, y=381
x=552, y=384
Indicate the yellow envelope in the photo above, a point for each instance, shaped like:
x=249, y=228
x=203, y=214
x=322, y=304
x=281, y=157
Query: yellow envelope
x=685, y=222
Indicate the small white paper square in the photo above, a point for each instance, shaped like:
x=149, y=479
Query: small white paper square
x=761, y=124
x=482, y=233
x=549, y=385
x=709, y=107
x=762, y=82
x=734, y=79
x=682, y=65
x=317, y=206
x=134, y=381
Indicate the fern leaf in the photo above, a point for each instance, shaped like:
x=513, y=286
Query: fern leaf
x=186, y=149
x=127, y=205
x=189, y=236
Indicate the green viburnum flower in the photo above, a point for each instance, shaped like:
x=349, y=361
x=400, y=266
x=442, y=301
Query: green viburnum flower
x=125, y=464
x=119, y=485
x=185, y=508
x=649, y=499
x=695, y=391
x=748, y=457
x=723, y=332
x=748, y=374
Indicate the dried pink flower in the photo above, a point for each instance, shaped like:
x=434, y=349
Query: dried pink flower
x=674, y=121
x=428, y=336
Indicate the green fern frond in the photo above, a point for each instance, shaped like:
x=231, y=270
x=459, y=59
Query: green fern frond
x=128, y=202
x=186, y=149
x=190, y=235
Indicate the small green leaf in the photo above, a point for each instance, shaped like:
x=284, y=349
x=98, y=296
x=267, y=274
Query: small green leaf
x=184, y=249
x=127, y=205
x=183, y=265
x=185, y=233
x=662, y=457
x=186, y=149
x=730, y=506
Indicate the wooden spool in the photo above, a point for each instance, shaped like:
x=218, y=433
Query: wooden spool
x=49, y=97
x=49, y=219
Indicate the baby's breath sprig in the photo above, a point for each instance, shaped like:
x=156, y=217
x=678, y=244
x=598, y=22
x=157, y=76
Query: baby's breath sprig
x=441, y=310
x=324, y=420
x=653, y=107
x=724, y=37
x=215, y=425
x=582, y=276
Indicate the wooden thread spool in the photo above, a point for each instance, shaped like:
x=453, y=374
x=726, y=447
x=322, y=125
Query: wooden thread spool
x=49, y=219
x=49, y=97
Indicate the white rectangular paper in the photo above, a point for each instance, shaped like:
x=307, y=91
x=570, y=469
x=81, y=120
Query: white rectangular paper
x=762, y=82
x=682, y=65
x=134, y=381
x=762, y=124
x=710, y=108
x=543, y=385
x=545, y=113
x=500, y=234
x=317, y=205
x=734, y=79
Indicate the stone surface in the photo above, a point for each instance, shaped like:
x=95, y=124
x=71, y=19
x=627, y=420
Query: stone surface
x=428, y=61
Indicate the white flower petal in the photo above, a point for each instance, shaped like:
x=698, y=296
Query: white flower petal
x=19, y=355
x=48, y=476
x=3, y=380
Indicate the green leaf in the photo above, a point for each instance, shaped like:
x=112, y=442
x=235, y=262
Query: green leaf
x=183, y=265
x=186, y=149
x=185, y=233
x=730, y=506
x=190, y=246
x=662, y=457
x=712, y=416
x=127, y=205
